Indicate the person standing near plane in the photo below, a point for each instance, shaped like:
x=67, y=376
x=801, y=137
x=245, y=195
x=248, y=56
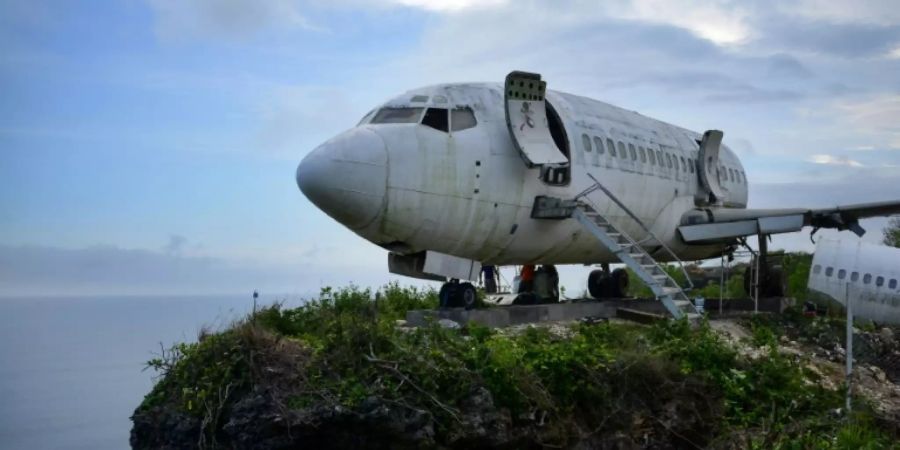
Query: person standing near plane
x=526, y=278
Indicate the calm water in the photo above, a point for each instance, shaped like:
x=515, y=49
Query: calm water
x=71, y=369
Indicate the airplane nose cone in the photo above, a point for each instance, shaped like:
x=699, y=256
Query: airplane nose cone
x=346, y=177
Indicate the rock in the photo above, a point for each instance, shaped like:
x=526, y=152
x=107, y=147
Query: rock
x=878, y=374
x=447, y=323
x=482, y=423
x=259, y=421
x=161, y=427
x=887, y=334
x=400, y=323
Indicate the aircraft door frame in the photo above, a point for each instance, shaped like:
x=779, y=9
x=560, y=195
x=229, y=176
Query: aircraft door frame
x=526, y=118
x=709, y=166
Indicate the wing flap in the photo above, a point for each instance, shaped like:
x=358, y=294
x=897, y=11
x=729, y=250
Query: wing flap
x=713, y=225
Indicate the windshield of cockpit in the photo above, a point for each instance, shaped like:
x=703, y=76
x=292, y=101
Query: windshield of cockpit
x=441, y=119
x=398, y=115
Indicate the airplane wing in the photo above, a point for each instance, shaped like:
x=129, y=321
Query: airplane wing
x=715, y=225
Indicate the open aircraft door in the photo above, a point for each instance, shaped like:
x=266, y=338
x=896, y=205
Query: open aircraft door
x=709, y=166
x=526, y=117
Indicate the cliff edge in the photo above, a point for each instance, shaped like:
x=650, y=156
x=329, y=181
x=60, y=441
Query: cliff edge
x=342, y=372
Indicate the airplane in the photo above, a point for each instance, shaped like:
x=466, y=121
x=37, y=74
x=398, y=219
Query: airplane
x=453, y=177
x=867, y=274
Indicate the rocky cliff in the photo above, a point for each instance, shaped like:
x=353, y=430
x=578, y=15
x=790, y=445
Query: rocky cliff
x=341, y=372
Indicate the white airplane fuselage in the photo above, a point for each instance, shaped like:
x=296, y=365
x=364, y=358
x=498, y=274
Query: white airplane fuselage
x=409, y=187
x=867, y=274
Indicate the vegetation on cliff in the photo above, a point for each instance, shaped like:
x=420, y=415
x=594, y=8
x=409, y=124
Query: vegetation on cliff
x=339, y=372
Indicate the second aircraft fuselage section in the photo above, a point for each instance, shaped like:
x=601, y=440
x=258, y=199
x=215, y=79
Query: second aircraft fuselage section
x=465, y=190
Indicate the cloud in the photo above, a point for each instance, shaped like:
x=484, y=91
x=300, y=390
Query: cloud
x=225, y=18
x=882, y=12
x=784, y=65
x=876, y=116
x=294, y=118
x=834, y=160
x=450, y=5
x=894, y=53
x=850, y=41
x=721, y=22
x=176, y=245
x=879, y=113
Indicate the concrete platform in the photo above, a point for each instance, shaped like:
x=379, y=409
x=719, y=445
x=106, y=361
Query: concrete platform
x=504, y=316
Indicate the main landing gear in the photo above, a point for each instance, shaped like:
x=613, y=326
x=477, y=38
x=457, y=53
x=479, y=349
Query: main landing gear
x=538, y=286
x=605, y=284
x=770, y=280
x=454, y=294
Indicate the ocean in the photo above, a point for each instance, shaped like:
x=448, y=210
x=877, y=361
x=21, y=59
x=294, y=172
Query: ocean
x=72, y=369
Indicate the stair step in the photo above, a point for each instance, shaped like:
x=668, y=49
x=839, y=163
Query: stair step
x=666, y=289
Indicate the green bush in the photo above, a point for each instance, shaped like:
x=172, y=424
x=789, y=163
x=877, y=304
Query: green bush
x=611, y=374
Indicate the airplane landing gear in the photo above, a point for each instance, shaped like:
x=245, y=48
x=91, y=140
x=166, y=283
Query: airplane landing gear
x=539, y=286
x=454, y=294
x=771, y=282
x=603, y=284
x=771, y=277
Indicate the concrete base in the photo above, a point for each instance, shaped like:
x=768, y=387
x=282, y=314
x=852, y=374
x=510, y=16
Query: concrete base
x=504, y=316
x=732, y=305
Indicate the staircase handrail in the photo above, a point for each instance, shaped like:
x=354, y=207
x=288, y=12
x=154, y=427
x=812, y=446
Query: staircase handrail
x=597, y=185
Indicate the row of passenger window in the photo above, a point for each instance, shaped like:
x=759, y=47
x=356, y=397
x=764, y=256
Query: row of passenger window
x=654, y=157
x=854, y=277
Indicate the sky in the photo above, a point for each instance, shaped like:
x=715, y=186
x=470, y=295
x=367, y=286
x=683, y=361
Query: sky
x=149, y=146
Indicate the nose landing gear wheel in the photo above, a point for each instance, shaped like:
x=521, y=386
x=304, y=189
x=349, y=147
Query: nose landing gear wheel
x=602, y=284
x=468, y=295
x=597, y=284
x=454, y=294
x=619, y=283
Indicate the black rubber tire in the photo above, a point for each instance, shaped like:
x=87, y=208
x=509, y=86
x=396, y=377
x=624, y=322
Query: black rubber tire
x=597, y=284
x=619, y=283
x=446, y=294
x=467, y=295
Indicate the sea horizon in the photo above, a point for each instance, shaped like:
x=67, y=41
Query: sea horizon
x=74, y=366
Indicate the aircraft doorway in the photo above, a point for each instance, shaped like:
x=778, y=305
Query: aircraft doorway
x=535, y=127
x=557, y=174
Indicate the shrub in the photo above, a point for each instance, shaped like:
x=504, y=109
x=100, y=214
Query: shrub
x=344, y=350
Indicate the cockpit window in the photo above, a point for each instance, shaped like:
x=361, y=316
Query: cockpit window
x=398, y=115
x=462, y=119
x=436, y=118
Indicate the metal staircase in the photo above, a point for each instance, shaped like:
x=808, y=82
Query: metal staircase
x=632, y=253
